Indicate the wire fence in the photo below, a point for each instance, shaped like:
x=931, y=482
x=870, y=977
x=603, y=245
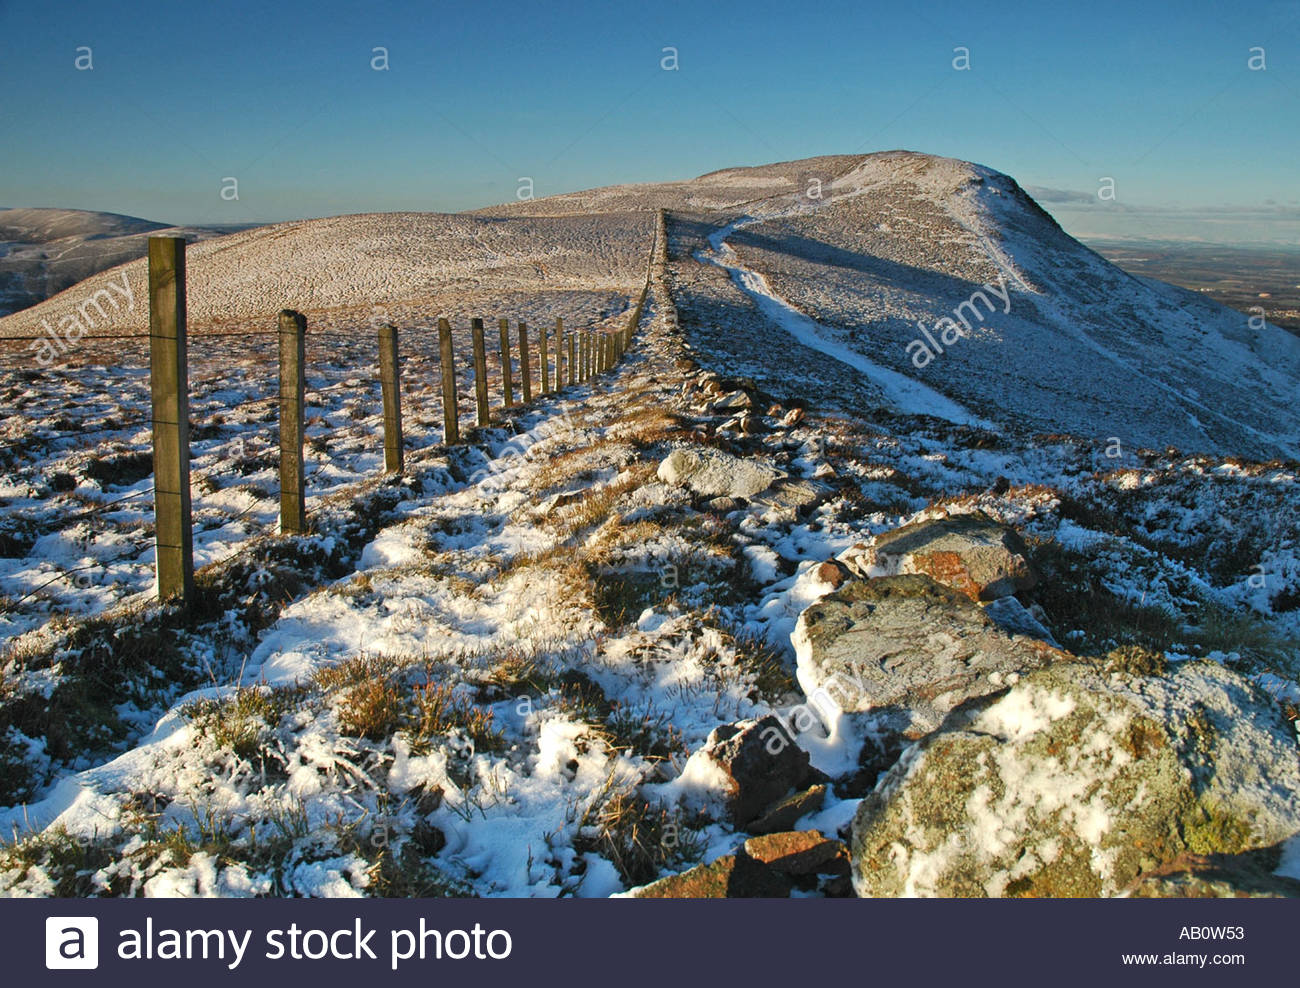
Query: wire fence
x=526, y=368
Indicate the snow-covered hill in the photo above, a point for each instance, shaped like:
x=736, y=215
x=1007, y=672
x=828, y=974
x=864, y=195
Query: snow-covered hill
x=949, y=273
x=44, y=251
x=568, y=264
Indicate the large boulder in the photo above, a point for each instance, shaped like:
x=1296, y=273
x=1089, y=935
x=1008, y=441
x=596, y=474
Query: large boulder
x=1077, y=781
x=713, y=473
x=971, y=553
x=908, y=642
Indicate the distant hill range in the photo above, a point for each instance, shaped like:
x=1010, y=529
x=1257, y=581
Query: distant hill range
x=897, y=280
x=44, y=251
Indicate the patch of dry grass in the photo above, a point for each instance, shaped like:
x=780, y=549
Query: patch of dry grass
x=597, y=506
x=374, y=698
x=638, y=837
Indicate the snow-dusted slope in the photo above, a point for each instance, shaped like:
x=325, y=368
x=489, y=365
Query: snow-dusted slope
x=443, y=261
x=44, y=251
x=1054, y=338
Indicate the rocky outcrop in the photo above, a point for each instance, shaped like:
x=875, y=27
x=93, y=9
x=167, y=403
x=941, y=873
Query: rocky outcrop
x=908, y=642
x=971, y=553
x=1078, y=781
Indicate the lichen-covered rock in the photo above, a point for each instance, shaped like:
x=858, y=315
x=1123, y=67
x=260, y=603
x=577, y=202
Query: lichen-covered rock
x=713, y=473
x=971, y=553
x=1077, y=781
x=907, y=641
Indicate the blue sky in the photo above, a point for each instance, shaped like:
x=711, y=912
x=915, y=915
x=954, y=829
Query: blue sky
x=283, y=98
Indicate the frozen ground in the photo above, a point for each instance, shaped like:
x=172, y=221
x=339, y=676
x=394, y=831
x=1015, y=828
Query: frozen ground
x=488, y=676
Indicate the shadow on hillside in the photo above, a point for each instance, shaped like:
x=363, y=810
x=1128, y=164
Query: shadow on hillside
x=948, y=290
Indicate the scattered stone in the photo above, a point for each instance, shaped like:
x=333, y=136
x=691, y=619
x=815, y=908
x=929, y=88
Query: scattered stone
x=713, y=473
x=833, y=572
x=1011, y=615
x=1076, y=782
x=783, y=814
x=427, y=798
x=735, y=876
x=733, y=402
x=725, y=505
x=839, y=887
x=428, y=838
x=762, y=764
x=795, y=852
x=971, y=553
x=908, y=642
x=794, y=495
x=792, y=417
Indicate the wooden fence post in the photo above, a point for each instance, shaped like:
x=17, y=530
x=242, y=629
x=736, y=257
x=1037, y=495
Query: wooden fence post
x=293, y=385
x=507, y=385
x=573, y=363
x=559, y=353
x=447, y=363
x=545, y=359
x=480, y=371
x=391, y=385
x=170, y=387
x=525, y=361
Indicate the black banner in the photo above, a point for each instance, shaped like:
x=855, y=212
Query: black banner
x=637, y=942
